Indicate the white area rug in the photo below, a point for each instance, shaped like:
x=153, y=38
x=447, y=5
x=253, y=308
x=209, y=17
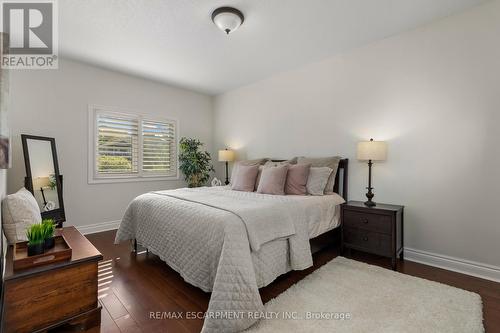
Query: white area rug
x=376, y=299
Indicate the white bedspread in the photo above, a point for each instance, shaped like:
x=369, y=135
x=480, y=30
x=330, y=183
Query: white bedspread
x=255, y=211
x=204, y=235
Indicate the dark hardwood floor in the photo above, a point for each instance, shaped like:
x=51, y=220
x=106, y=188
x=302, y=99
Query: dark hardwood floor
x=132, y=287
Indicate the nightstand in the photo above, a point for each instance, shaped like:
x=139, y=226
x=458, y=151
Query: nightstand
x=377, y=230
x=62, y=294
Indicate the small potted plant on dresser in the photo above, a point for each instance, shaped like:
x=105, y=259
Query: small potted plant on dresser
x=48, y=227
x=36, y=240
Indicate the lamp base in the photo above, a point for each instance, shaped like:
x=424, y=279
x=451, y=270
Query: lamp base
x=370, y=203
x=227, y=174
x=370, y=195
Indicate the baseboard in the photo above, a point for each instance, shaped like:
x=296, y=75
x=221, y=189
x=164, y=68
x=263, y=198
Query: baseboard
x=484, y=271
x=98, y=227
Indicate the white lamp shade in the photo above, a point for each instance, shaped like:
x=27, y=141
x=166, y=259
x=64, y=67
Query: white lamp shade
x=227, y=22
x=372, y=150
x=226, y=155
x=41, y=182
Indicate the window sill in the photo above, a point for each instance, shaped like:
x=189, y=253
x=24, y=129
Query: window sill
x=125, y=179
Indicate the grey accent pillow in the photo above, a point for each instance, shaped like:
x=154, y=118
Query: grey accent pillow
x=258, y=161
x=19, y=211
x=245, y=178
x=273, y=179
x=318, y=178
x=272, y=163
x=330, y=162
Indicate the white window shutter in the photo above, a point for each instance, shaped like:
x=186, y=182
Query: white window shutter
x=117, y=144
x=158, y=147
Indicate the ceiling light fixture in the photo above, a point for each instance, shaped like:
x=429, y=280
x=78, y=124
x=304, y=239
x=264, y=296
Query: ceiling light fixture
x=227, y=19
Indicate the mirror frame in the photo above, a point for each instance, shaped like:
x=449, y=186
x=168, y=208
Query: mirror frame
x=58, y=214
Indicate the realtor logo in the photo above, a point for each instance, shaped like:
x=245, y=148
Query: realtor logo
x=31, y=27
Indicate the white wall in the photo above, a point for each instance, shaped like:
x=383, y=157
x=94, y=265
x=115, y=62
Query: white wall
x=432, y=93
x=54, y=103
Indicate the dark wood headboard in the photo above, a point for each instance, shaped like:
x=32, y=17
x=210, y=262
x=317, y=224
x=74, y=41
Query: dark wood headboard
x=341, y=184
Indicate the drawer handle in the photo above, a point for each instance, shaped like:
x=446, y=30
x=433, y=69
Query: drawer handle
x=364, y=220
x=365, y=239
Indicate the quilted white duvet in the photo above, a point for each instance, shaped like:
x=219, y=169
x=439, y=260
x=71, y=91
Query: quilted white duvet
x=228, y=242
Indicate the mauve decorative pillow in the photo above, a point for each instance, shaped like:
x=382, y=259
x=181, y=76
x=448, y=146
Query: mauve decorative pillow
x=245, y=178
x=273, y=179
x=258, y=161
x=296, y=179
x=261, y=167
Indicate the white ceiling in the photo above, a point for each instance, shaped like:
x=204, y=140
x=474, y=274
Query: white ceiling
x=175, y=41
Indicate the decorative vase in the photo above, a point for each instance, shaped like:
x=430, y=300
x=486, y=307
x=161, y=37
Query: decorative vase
x=216, y=182
x=49, y=243
x=35, y=249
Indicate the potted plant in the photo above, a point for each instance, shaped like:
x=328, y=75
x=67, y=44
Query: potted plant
x=36, y=239
x=52, y=181
x=194, y=163
x=48, y=228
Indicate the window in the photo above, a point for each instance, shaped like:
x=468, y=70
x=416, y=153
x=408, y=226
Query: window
x=128, y=147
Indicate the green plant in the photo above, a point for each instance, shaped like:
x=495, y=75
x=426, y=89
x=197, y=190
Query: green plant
x=35, y=234
x=48, y=228
x=52, y=181
x=114, y=164
x=194, y=163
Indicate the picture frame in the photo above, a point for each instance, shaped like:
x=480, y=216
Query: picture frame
x=5, y=149
x=5, y=142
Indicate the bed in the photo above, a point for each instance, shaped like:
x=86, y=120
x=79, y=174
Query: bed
x=232, y=243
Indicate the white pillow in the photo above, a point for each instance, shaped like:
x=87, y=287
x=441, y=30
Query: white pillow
x=318, y=178
x=19, y=211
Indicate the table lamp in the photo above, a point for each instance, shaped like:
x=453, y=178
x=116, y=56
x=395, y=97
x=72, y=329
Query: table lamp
x=371, y=151
x=41, y=183
x=227, y=156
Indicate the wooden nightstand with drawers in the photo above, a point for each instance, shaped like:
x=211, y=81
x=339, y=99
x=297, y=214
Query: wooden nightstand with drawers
x=377, y=230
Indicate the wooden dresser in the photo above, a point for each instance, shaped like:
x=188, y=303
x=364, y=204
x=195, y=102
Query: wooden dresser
x=377, y=230
x=61, y=296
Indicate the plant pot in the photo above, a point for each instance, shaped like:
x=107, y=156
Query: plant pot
x=49, y=243
x=35, y=249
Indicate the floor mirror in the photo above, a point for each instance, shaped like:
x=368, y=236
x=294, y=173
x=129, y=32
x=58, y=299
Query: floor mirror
x=42, y=176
